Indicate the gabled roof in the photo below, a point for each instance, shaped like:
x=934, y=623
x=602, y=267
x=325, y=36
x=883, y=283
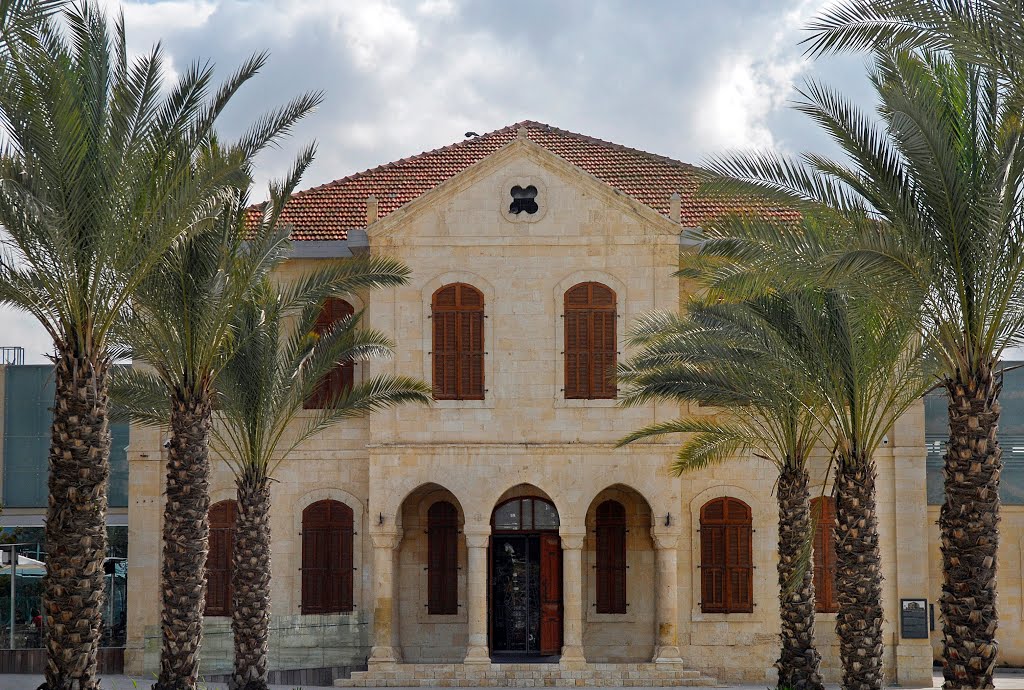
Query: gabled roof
x=330, y=211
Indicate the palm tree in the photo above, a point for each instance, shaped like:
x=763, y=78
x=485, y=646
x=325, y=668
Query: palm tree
x=181, y=326
x=933, y=195
x=984, y=32
x=277, y=366
x=20, y=21
x=854, y=362
x=104, y=169
x=737, y=357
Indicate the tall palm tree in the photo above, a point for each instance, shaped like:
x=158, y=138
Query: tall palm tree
x=736, y=357
x=934, y=197
x=103, y=170
x=181, y=326
x=278, y=365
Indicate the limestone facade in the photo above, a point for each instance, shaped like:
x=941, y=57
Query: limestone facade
x=525, y=439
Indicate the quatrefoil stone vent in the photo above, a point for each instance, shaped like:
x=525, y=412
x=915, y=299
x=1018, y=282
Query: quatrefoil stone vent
x=523, y=200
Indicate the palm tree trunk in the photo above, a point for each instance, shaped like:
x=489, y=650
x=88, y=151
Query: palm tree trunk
x=250, y=616
x=799, y=660
x=76, y=522
x=858, y=574
x=185, y=544
x=969, y=532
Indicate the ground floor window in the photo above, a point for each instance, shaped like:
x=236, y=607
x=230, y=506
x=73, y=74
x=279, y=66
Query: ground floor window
x=726, y=567
x=823, y=511
x=442, y=559
x=327, y=558
x=611, y=558
x=220, y=558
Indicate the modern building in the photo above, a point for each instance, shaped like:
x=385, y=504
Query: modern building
x=26, y=393
x=500, y=525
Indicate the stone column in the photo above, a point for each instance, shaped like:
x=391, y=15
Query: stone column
x=910, y=539
x=385, y=647
x=572, y=598
x=666, y=650
x=476, y=596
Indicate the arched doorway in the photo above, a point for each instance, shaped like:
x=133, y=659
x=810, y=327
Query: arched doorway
x=526, y=578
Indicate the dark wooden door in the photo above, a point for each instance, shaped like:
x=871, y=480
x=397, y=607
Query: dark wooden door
x=550, y=594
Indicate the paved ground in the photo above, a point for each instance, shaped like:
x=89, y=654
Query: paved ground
x=1004, y=681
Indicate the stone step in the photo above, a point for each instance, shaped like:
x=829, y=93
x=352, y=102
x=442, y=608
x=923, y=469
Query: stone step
x=528, y=676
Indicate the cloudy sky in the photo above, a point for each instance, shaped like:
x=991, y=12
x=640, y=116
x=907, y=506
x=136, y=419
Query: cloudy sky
x=682, y=78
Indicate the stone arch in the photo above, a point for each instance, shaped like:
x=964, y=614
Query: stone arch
x=521, y=490
x=426, y=637
x=394, y=505
x=603, y=633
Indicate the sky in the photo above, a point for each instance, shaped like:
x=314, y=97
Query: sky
x=689, y=79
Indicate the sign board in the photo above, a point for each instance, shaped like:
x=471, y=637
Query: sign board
x=914, y=619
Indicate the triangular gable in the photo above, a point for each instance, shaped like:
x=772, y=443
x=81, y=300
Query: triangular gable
x=494, y=162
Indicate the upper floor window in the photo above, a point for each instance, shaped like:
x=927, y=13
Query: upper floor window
x=327, y=558
x=611, y=558
x=590, y=341
x=220, y=558
x=726, y=567
x=824, y=511
x=341, y=378
x=442, y=559
x=457, y=313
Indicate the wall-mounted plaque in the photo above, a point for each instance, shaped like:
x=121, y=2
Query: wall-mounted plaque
x=914, y=619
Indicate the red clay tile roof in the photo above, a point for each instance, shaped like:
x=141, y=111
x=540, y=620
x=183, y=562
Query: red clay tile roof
x=329, y=211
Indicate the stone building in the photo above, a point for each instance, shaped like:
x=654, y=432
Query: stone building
x=500, y=525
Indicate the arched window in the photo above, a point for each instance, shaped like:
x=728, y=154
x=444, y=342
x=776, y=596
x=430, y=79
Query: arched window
x=611, y=558
x=327, y=558
x=219, y=559
x=590, y=341
x=341, y=378
x=457, y=312
x=823, y=510
x=442, y=559
x=726, y=567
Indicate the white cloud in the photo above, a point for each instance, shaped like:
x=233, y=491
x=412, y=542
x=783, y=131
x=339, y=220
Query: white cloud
x=750, y=84
x=436, y=8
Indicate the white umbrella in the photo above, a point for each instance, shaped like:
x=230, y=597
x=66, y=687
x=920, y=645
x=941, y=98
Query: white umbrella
x=26, y=565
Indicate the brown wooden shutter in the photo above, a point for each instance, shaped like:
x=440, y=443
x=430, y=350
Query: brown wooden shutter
x=611, y=558
x=727, y=569
x=220, y=558
x=590, y=341
x=457, y=312
x=823, y=511
x=442, y=559
x=327, y=558
x=342, y=377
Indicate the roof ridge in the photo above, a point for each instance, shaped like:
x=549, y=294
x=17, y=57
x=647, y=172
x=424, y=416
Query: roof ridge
x=621, y=147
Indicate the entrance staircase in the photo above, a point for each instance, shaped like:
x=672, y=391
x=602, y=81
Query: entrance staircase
x=639, y=675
